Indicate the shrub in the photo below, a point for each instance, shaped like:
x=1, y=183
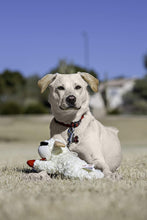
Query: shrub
x=11, y=108
x=134, y=104
x=35, y=108
x=116, y=111
x=140, y=107
x=135, y=101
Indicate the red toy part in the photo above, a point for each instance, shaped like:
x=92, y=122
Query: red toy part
x=31, y=162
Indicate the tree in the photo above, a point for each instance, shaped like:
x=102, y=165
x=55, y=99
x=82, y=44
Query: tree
x=145, y=61
x=140, y=88
x=11, y=82
x=68, y=68
x=136, y=100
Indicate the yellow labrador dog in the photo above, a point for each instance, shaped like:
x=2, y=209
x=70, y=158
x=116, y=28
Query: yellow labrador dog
x=73, y=123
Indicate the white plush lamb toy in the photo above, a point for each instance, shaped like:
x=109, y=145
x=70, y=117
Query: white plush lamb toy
x=59, y=160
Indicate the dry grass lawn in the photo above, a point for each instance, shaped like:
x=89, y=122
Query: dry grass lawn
x=21, y=198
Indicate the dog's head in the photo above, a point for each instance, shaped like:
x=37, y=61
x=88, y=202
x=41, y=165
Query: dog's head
x=68, y=93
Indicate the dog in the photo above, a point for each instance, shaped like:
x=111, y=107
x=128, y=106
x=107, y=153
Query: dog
x=74, y=124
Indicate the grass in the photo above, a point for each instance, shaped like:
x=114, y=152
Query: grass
x=58, y=198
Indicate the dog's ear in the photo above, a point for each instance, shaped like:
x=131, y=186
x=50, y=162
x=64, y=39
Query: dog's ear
x=91, y=80
x=45, y=81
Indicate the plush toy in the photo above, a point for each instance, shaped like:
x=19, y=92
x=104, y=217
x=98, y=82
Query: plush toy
x=58, y=159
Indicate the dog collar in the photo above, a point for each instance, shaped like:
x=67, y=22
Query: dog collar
x=71, y=127
x=72, y=124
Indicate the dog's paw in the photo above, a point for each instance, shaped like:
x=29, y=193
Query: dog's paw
x=107, y=173
x=112, y=176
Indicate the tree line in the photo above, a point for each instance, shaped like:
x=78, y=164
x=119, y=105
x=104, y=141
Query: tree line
x=21, y=95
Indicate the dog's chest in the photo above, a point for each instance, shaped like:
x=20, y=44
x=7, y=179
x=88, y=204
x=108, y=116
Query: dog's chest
x=78, y=138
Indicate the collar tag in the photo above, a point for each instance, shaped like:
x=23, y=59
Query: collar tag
x=70, y=134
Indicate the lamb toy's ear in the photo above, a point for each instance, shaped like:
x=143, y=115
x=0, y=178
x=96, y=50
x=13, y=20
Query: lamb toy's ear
x=58, y=144
x=45, y=81
x=91, y=80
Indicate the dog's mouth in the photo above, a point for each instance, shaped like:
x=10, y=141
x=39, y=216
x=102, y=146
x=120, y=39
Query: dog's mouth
x=69, y=107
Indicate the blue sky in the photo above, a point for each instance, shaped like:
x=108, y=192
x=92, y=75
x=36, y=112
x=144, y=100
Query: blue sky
x=36, y=34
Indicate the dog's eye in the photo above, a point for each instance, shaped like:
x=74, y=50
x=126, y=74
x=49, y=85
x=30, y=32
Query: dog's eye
x=60, y=88
x=78, y=87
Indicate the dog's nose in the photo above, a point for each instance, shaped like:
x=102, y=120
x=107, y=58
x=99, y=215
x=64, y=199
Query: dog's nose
x=70, y=100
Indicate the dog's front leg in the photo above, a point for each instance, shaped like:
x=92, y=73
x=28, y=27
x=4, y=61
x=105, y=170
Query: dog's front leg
x=99, y=163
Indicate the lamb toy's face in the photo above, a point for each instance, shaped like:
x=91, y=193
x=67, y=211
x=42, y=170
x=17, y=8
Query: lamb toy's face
x=50, y=147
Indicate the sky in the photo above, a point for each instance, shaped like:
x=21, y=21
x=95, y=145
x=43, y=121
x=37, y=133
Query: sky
x=36, y=34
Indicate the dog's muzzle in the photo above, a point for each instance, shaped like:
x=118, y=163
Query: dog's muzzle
x=71, y=100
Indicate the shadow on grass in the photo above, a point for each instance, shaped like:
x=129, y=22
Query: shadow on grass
x=25, y=170
x=33, y=171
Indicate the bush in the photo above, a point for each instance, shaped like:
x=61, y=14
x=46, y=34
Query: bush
x=115, y=111
x=140, y=107
x=134, y=104
x=140, y=88
x=35, y=108
x=135, y=101
x=11, y=108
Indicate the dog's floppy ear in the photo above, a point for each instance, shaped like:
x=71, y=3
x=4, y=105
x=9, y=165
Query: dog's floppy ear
x=91, y=80
x=45, y=81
